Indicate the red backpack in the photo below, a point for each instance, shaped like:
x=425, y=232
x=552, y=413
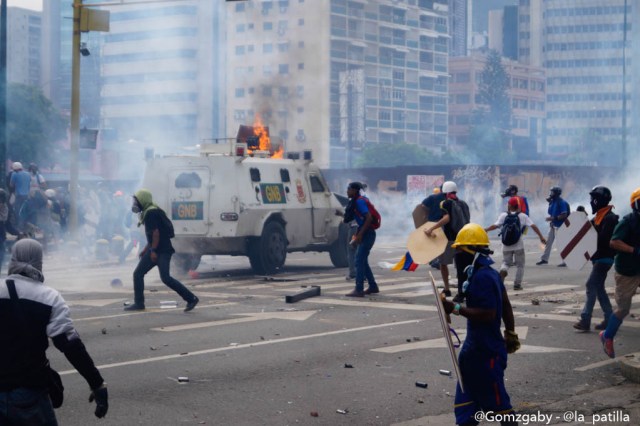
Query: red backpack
x=377, y=219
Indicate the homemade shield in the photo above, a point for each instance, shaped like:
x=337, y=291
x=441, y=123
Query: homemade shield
x=424, y=249
x=577, y=240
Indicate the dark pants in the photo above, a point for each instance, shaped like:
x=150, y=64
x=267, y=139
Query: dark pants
x=24, y=406
x=363, y=270
x=145, y=265
x=596, y=290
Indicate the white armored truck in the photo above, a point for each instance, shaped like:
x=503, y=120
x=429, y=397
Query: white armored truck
x=230, y=201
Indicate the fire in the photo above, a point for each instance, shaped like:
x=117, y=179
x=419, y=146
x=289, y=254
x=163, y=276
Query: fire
x=279, y=153
x=262, y=133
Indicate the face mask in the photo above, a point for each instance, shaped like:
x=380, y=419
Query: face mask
x=136, y=207
x=594, y=205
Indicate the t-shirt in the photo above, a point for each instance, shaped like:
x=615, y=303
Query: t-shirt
x=361, y=207
x=37, y=181
x=22, y=181
x=432, y=202
x=153, y=221
x=485, y=291
x=556, y=208
x=627, y=264
x=524, y=221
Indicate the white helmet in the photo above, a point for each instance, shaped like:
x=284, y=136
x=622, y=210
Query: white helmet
x=449, y=186
x=50, y=193
x=16, y=166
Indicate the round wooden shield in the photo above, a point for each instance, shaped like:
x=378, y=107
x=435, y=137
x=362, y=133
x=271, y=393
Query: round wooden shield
x=424, y=249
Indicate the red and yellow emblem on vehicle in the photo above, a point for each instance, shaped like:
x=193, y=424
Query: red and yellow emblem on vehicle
x=302, y=198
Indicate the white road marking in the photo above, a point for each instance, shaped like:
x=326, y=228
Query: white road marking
x=246, y=345
x=381, y=305
x=568, y=318
x=94, y=303
x=605, y=362
x=437, y=343
x=542, y=288
x=259, y=316
x=146, y=311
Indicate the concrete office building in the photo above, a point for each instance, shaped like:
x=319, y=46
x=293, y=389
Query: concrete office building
x=335, y=75
x=24, y=35
x=583, y=56
x=526, y=93
x=460, y=12
x=160, y=74
x=503, y=31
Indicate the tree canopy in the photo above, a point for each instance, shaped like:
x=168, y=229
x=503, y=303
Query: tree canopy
x=400, y=154
x=34, y=125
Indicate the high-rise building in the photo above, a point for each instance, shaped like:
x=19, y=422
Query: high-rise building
x=503, y=31
x=24, y=34
x=459, y=26
x=530, y=32
x=583, y=56
x=335, y=75
x=161, y=73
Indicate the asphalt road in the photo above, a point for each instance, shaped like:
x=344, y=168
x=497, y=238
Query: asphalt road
x=252, y=359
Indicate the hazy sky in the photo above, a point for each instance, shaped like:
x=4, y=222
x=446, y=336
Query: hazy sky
x=27, y=4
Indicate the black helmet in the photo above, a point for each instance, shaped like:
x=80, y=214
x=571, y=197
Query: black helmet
x=600, y=197
x=511, y=191
x=555, y=191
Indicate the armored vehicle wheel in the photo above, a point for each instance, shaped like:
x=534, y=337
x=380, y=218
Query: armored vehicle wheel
x=184, y=262
x=268, y=253
x=338, y=251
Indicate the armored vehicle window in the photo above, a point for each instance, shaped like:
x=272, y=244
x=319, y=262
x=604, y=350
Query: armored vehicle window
x=284, y=175
x=188, y=180
x=255, y=174
x=316, y=184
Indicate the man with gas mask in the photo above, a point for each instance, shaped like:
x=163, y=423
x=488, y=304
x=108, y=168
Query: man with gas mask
x=604, y=223
x=626, y=242
x=158, y=251
x=558, y=211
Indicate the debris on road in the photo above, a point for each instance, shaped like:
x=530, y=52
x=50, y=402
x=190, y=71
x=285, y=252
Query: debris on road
x=153, y=348
x=183, y=379
x=445, y=372
x=305, y=294
x=116, y=282
x=348, y=366
x=422, y=385
x=314, y=414
x=345, y=411
x=535, y=301
x=104, y=331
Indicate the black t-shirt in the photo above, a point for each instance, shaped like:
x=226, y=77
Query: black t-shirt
x=153, y=221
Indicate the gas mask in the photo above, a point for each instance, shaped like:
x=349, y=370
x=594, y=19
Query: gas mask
x=136, y=207
x=594, y=205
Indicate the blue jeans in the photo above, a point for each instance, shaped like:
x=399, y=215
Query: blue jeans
x=362, y=261
x=145, y=265
x=24, y=406
x=596, y=289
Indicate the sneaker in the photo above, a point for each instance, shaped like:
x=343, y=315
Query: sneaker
x=607, y=345
x=542, y=262
x=134, y=307
x=192, y=304
x=459, y=298
x=355, y=293
x=372, y=290
x=517, y=286
x=447, y=293
x=503, y=275
x=601, y=326
x=562, y=265
x=580, y=326
x=349, y=277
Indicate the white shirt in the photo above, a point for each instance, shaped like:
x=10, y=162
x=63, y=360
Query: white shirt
x=524, y=221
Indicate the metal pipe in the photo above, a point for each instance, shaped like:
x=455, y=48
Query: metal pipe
x=75, y=119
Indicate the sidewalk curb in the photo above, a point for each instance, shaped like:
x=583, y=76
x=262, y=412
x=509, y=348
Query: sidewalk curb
x=630, y=368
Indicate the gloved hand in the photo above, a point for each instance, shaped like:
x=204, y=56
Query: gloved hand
x=512, y=341
x=101, y=396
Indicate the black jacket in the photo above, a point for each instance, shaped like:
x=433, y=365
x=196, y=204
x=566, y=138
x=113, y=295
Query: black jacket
x=605, y=231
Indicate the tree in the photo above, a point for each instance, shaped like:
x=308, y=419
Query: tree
x=33, y=125
x=491, y=125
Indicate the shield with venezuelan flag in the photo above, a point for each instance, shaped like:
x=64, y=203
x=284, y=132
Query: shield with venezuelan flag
x=405, y=264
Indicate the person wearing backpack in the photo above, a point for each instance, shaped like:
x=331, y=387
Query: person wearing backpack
x=604, y=223
x=558, y=212
x=368, y=219
x=511, y=224
x=523, y=203
x=158, y=251
x=455, y=214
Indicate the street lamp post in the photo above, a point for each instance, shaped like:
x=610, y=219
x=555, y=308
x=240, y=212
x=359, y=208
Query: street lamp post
x=75, y=118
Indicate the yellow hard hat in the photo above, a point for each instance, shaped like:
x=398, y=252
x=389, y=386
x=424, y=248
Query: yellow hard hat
x=635, y=199
x=471, y=234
